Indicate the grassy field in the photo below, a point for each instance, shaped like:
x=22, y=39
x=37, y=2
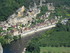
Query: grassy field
x=54, y=49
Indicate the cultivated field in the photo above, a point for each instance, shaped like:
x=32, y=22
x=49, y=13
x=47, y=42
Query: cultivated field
x=54, y=49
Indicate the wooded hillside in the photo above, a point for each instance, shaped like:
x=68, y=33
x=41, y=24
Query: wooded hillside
x=8, y=7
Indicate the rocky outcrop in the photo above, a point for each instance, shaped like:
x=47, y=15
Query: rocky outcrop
x=1, y=49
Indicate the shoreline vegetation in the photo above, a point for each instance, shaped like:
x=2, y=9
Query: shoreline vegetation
x=7, y=39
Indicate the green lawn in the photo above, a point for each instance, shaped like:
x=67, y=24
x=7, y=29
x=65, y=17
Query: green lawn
x=54, y=49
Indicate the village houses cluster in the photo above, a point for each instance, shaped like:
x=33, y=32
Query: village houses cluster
x=17, y=22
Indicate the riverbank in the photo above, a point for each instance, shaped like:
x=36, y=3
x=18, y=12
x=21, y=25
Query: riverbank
x=19, y=45
x=37, y=30
x=25, y=38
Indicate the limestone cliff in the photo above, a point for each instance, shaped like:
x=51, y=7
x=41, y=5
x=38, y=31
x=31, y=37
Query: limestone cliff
x=1, y=49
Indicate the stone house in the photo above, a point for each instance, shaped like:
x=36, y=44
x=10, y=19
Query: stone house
x=50, y=6
x=15, y=32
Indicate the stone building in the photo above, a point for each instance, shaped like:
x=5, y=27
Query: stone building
x=18, y=17
x=20, y=11
x=14, y=32
x=50, y=6
x=41, y=2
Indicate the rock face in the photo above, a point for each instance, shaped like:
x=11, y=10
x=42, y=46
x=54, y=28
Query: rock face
x=1, y=49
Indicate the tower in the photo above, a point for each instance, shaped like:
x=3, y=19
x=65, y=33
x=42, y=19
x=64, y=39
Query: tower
x=35, y=5
x=41, y=2
x=30, y=8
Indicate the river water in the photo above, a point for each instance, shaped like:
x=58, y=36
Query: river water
x=19, y=45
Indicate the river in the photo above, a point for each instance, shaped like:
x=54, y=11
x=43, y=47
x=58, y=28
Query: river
x=19, y=45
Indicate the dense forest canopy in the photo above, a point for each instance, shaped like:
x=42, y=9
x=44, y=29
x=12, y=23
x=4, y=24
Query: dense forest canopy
x=8, y=7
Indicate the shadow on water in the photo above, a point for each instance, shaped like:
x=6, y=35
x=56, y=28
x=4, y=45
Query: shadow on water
x=19, y=45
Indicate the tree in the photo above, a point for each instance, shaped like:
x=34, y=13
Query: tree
x=33, y=48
